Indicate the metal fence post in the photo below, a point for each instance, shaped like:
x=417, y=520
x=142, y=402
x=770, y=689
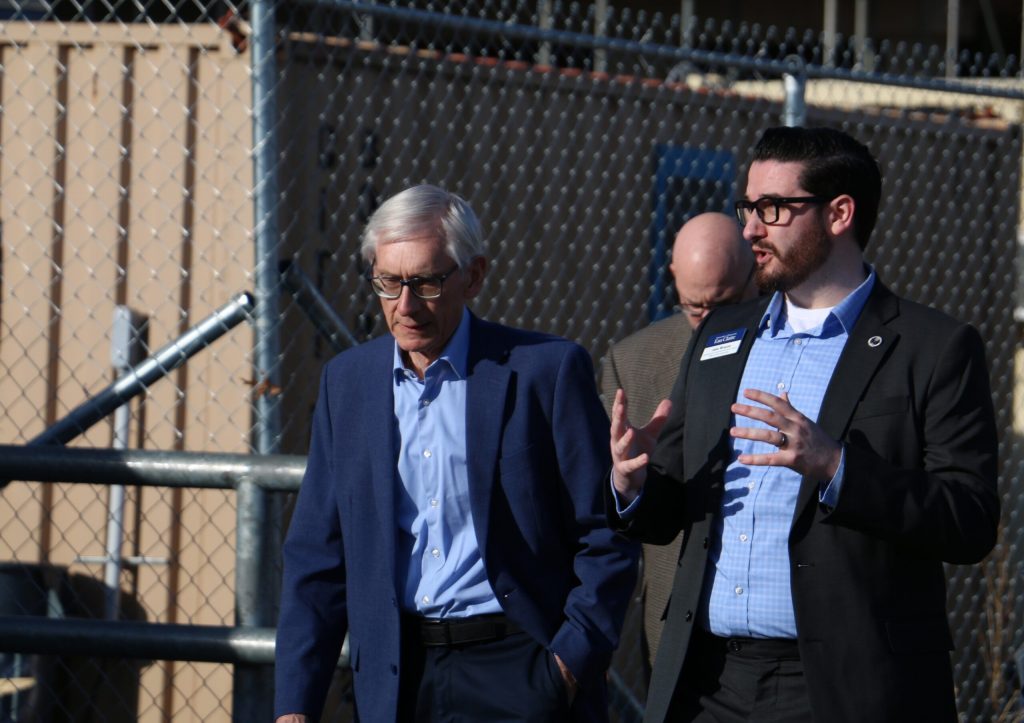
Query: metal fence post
x=127, y=347
x=795, y=83
x=256, y=573
x=253, y=684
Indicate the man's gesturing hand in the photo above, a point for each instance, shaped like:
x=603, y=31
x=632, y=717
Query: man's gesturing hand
x=803, y=445
x=632, y=447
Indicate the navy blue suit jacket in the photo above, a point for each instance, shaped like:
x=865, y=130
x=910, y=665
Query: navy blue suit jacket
x=537, y=442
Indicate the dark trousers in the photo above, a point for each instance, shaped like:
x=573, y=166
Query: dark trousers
x=741, y=680
x=510, y=679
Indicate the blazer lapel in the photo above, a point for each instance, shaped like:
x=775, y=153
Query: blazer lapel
x=866, y=348
x=711, y=397
x=721, y=387
x=487, y=386
x=378, y=433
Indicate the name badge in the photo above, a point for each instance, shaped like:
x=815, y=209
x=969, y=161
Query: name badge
x=724, y=344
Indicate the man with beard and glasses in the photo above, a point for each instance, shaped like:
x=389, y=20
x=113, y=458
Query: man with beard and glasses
x=825, y=451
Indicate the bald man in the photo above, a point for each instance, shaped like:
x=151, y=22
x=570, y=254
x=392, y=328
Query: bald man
x=712, y=266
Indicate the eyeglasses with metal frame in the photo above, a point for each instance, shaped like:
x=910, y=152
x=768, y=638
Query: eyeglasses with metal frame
x=769, y=208
x=423, y=287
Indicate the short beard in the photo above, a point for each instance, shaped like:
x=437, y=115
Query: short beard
x=807, y=255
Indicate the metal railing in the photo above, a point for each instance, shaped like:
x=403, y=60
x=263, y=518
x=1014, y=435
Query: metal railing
x=316, y=308
x=250, y=648
x=137, y=379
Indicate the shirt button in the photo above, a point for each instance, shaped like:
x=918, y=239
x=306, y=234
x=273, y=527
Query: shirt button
x=739, y=590
x=750, y=486
x=435, y=552
x=425, y=402
x=427, y=453
x=781, y=386
x=798, y=342
x=425, y=599
x=434, y=503
x=743, y=538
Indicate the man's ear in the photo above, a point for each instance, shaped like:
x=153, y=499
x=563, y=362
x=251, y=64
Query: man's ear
x=840, y=214
x=475, y=272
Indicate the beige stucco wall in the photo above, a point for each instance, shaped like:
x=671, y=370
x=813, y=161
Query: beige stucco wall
x=124, y=179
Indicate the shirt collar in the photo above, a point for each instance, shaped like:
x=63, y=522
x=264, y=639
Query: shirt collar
x=454, y=356
x=846, y=312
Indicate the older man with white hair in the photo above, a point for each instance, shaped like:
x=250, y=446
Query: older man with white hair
x=451, y=519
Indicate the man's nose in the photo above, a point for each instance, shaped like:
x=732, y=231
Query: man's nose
x=753, y=228
x=694, y=316
x=407, y=301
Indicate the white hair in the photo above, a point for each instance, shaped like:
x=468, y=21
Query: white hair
x=425, y=208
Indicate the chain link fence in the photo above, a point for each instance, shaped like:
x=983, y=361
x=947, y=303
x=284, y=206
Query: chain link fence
x=131, y=176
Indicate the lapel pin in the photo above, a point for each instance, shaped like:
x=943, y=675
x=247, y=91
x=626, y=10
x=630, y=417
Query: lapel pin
x=874, y=341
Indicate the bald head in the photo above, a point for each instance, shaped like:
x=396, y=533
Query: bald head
x=712, y=265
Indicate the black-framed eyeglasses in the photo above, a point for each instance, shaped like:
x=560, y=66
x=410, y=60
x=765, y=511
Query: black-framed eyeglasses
x=699, y=310
x=425, y=287
x=773, y=209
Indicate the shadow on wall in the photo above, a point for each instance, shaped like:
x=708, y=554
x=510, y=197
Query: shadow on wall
x=58, y=689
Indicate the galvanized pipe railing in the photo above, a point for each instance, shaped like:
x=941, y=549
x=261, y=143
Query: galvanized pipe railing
x=39, y=635
x=243, y=646
x=146, y=468
x=316, y=307
x=137, y=379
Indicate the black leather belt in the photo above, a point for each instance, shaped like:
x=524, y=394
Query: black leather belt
x=459, y=631
x=759, y=648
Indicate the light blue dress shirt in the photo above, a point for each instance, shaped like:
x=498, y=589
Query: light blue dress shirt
x=438, y=553
x=747, y=586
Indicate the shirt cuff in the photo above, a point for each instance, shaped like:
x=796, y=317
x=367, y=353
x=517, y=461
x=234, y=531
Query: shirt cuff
x=828, y=494
x=627, y=512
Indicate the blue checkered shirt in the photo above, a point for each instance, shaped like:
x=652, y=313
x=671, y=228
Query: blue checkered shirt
x=747, y=587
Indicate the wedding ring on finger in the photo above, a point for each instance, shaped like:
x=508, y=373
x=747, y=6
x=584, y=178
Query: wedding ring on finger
x=783, y=439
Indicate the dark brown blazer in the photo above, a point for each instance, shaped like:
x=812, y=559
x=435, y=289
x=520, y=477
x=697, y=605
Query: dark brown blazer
x=645, y=365
x=910, y=400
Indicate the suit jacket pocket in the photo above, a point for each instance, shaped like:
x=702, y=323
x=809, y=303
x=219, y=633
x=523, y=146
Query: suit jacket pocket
x=919, y=636
x=881, y=406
